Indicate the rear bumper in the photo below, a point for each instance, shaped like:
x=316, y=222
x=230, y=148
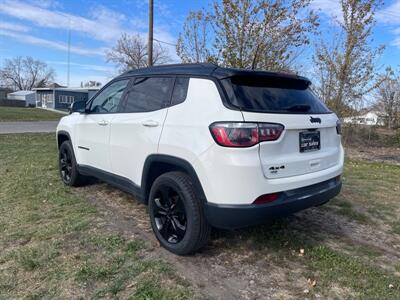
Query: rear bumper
x=236, y=216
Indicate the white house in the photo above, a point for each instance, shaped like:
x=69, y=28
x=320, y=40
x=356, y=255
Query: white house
x=28, y=96
x=368, y=118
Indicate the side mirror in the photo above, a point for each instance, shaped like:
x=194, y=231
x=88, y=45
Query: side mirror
x=78, y=106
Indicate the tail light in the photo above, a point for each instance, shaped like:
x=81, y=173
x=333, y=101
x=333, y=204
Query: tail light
x=242, y=134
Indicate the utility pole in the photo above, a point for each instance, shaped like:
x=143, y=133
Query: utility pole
x=69, y=54
x=150, y=41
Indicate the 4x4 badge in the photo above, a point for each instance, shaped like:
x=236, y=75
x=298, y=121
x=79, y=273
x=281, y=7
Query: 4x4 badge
x=315, y=120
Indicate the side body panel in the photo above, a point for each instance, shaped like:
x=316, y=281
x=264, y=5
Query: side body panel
x=133, y=137
x=186, y=131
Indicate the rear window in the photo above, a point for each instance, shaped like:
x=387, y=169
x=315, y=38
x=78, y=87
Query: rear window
x=148, y=94
x=273, y=95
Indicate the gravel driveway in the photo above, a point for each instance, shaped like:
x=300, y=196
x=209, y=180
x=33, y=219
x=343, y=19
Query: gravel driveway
x=22, y=127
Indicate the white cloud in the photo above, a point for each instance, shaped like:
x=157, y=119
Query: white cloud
x=13, y=27
x=89, y=67
x=83, y=72
x=46, y=3
x=103, y=24
x=330, y=8
x=28, y=39
x=390, y=14
x=98, y=27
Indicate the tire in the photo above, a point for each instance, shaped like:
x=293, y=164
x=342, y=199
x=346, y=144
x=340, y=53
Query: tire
x=68, y=167
x=177, y=233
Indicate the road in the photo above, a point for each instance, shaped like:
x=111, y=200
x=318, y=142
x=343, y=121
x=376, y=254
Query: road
x=23, y=127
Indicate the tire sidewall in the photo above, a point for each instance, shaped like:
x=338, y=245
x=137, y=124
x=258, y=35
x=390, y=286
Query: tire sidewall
x=68, y=146
x=192, y=227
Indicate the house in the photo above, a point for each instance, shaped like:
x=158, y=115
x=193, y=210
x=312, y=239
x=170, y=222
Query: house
x=366, y=118
x=4, y=92
x=62, y=98
x=27, y=96
x=55, y=85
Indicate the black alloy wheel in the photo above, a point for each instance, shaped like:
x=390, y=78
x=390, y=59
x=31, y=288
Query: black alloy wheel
x=68, y=167
x=65, y=165
x=176, y=213
x=169, y=214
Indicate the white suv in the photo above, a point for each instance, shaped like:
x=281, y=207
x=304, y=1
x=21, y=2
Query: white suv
x=205, y=146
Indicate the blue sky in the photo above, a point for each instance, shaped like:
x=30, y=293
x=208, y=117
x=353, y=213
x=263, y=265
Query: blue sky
x=39, y=28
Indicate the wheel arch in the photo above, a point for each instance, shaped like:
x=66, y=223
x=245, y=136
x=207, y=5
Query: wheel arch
x=62, y=136
x=158, y=164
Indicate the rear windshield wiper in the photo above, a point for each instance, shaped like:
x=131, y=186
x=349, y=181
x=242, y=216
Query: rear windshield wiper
x=298, y=107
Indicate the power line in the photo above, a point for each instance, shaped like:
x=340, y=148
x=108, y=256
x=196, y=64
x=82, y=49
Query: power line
x=164, y=42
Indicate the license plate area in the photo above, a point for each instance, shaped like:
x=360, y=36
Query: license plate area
x=309, y=141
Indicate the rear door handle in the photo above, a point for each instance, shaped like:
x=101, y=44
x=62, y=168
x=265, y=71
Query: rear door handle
x=103, y=123
x=150, y=123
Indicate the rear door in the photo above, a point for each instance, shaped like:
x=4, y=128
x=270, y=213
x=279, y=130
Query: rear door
x=136, y=131
x=310, y=141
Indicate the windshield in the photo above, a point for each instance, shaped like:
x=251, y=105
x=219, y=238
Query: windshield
x=273, y=95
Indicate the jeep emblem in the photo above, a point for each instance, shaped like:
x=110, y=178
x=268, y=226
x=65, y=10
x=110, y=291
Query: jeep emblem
x=315, y=120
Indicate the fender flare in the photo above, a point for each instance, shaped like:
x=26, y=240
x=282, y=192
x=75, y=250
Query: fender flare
x=174, y=161
x=63, y=132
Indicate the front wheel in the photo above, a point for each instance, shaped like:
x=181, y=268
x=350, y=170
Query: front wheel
x=68, y=166
x=176, y=214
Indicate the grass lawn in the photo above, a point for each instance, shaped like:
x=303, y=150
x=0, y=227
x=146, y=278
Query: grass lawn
x=53, y=242
x=27, y=114
x=56, y=244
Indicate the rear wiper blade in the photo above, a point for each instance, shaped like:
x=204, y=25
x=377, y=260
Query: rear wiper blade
x=299, y=107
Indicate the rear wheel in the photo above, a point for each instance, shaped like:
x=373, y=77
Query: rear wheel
x=68, y=167
x=176, y=214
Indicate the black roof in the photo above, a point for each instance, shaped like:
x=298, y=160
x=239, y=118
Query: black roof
x=205, y=69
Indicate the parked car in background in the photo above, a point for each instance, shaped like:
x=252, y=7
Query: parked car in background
x=205, y=146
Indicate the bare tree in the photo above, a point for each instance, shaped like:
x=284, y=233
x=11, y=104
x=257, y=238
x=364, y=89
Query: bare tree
x=131, y=53
x=25, y=73
x=388, y=98
x=345, y=66
x=260, y=34
x=193, y=42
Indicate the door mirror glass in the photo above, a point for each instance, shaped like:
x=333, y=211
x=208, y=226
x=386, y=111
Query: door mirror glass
x=78, y=106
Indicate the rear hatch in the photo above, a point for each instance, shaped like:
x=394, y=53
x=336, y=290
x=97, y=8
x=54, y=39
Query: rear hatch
x=309, y=142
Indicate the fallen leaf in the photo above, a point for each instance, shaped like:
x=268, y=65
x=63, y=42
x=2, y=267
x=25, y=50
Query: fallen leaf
x=314, y=283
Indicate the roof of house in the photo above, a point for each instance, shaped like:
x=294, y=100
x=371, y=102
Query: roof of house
x=6, y=89
x=206, y=69
x=55, y=85
x=22, y=93
x=69, y=89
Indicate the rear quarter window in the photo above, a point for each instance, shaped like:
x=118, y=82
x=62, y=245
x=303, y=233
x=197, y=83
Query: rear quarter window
x=273, y=95
x=180, y=90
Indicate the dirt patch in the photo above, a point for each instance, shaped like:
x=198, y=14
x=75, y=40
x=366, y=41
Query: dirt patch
x=375, y=154
x=230, y=267
x=215, y=272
